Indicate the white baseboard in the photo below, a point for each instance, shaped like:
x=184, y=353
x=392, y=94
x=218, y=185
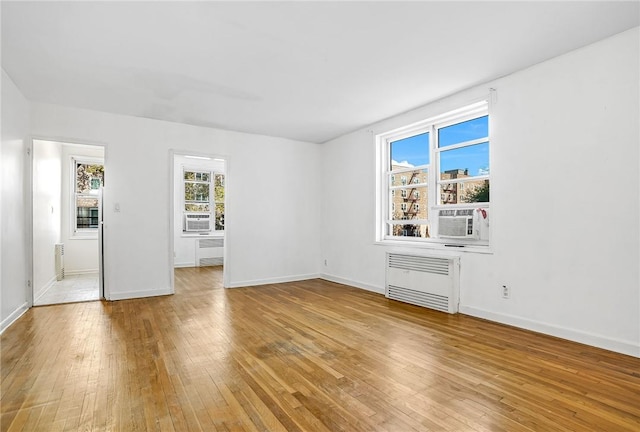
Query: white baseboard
x=126, y=295
x=343, y=281
x=254, y=282
x=80, y=272
x=13, y=316
x=620, y=346
x=184, y=264
x=44, y=289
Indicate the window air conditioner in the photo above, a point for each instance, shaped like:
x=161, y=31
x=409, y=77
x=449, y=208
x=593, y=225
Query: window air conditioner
x=197, y=222
x=456, y=224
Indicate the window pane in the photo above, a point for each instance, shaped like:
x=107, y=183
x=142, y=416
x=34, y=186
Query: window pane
x=410, y=152
x=409, y=178
x=466, y=192
x=189, y=175
x=198, y=192
x=86, y=212
x=88, y=177
x=410, y=203
x=463, y=132
x=196, y=207
x=219, y=188
x=219, y=216
x=408, y=230
x=463, y=162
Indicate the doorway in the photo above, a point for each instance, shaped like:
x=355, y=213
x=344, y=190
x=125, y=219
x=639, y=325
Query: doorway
x=198, y=198
x=67, y=183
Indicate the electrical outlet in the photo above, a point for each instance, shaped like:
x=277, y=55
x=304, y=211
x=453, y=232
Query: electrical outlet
x=506, y=292
x=325, y=263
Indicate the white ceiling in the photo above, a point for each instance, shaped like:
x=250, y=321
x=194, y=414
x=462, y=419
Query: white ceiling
x=309, y=71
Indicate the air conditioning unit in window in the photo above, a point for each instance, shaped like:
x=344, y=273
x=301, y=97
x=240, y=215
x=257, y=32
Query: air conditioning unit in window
x=195, y=222
x=457, y=224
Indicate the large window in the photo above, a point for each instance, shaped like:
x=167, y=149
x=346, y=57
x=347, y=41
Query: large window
x=203, y=200
x=88, y=181
x=442, y=169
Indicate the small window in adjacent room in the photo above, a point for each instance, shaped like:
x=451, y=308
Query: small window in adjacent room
x=203, y=201
x=443, y=167
x=88, y=177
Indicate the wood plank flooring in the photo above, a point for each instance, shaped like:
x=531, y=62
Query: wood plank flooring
x=307, y=356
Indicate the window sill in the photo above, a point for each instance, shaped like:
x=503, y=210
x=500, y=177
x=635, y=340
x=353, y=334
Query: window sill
x=437, y=245
x=202, y=235
x=88, y=236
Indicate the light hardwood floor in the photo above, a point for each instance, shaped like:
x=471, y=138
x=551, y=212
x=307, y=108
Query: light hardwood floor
x=307, y=356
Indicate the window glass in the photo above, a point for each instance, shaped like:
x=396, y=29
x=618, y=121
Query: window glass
x=463, y=132
x=89, y=178
x=408, y=230
x=469, y=161
x=409, y=152
x=420, y=176
x=219, y=199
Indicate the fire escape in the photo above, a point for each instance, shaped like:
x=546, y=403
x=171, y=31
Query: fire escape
x=411, y=211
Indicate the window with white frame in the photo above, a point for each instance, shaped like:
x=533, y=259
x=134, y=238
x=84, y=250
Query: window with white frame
x=203, y=200
x=88, y=179
x=444, y=172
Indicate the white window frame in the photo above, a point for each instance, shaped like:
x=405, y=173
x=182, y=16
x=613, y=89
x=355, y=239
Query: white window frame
x=434, y=204
x=81, y=233
x=212, y=198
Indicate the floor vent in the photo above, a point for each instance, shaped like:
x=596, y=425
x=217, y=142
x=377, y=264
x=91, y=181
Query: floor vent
x=428, y=281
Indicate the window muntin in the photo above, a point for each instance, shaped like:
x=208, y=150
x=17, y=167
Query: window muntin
x=435, y=164
x=88, y=178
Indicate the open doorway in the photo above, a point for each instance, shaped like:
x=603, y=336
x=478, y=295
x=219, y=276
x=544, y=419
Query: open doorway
x=67, y=186
x=198, y=198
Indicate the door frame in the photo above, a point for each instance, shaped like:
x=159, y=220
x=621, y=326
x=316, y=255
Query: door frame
x=103, y=285
x=172, y=155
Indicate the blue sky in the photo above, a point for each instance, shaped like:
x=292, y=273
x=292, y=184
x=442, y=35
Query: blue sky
x=415, y=150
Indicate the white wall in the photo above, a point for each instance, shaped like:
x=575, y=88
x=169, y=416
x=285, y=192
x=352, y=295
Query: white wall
x=47, y=202
x=184, y=245
x=14, y=296
x=565, y=199
x=80, y=253
x=271, y=235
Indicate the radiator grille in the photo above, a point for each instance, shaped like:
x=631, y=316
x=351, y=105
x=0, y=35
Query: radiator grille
x=425, y=264
x=209, y=252
x=210, y=243
x=432, y=301
x=428, y=281
x=205, y=262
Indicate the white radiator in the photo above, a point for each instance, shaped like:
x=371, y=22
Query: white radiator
x=59, y=247
x=429, y=281
x=209, y=252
